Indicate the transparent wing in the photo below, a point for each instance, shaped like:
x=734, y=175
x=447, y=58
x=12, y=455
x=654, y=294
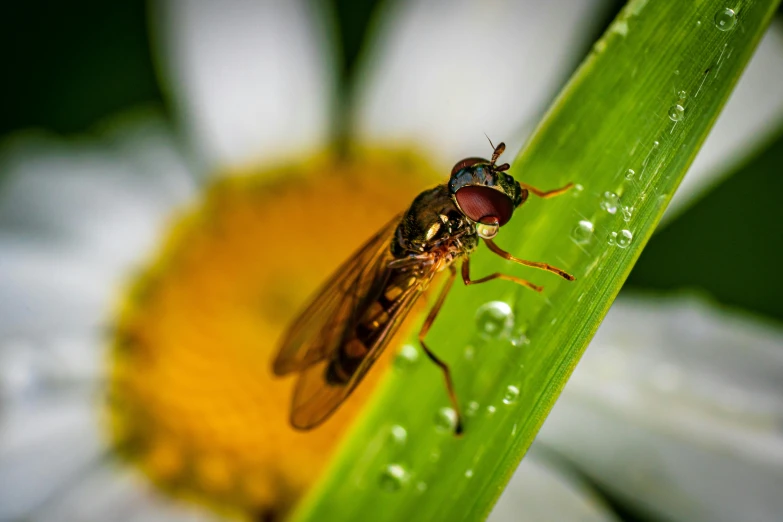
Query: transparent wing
x=318, y=331
x=315, y=398
x=329, y=323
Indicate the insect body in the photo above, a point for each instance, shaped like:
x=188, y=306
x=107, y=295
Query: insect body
x=337, y=338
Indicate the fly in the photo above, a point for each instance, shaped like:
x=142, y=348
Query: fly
x=333, y=343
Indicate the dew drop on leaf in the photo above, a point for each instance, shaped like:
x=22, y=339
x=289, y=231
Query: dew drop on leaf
x=676, y=112
x=494, y=319
x=398, y=434
x=624, y=238
x=725, y=19
x=393, y=477
x=610, y=202
x=407, y=357
x=446, y=420
x=630, y=173
x=512, y=392
x=582, y=232
x=518, y=336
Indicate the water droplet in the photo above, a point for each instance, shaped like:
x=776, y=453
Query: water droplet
x=682, y=95
x=446, y=420
x=655, y=144
x=518, y=336
x=407, y=358
x=472, y=408
x=676, y=112
x=487, y=231
x=469, y=473
x=698, y=23
x=491, y=410
x=512, y=392
x=398, y=434
x=624, y=238
x=469, y=352
x=627, y=213
x=393, y=477
x=435, y=456
x=725, y=19
x=612, y=239
x=494, y=319
x=610, y=202
x=582, y=232
x=677, y=71
x=421, y=487
x=576, y=190
x=630, y=173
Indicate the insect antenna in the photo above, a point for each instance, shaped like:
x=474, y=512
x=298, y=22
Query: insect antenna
x=496, y=151
x=490, y=141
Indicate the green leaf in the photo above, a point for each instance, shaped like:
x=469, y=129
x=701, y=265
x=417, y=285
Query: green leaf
x=625, y=130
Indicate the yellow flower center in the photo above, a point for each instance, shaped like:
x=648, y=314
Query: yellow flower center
x=192, y=400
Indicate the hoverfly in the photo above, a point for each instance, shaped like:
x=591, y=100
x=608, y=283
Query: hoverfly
x=337, y=338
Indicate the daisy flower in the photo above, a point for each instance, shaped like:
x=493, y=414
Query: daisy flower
x=146, y=274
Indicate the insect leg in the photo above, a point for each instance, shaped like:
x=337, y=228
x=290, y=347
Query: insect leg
x=468, y=281
x=443, y=366
x=543, y=266
x=546, y=193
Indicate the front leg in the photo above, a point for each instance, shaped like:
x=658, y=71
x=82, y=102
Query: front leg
x=546, y=193
x=534, y=264
x=468, y=281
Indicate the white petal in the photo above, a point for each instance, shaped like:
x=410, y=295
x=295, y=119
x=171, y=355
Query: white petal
x=444, y=73
x=251, y=79
x=751, y=116
x=541, y=490
x=77, y=217
x=44, y=446
x=34, y=370
x=678, y=408
x=112, y=492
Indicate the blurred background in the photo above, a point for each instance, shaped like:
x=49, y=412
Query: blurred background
x=70, y=67
x=100, y=59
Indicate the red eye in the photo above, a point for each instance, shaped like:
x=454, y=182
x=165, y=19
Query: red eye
x=467, y=162
x=485, y=205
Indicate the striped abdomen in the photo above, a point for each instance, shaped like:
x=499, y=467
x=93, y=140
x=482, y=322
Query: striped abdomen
x=373, y=329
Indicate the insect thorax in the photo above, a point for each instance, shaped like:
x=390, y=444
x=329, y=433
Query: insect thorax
x=434, y=224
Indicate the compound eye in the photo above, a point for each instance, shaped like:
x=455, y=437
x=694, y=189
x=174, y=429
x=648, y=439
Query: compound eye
x=485, y=205
x=467, y=162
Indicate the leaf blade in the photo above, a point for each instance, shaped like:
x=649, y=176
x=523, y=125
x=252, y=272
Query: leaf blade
x=618, y=114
